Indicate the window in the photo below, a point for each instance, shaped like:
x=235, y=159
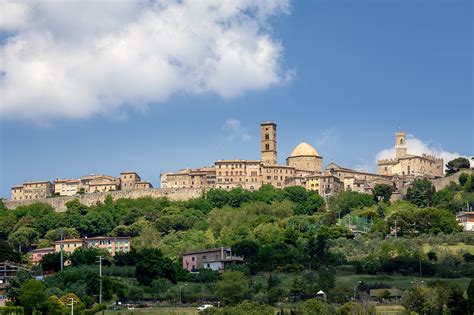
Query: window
x=267, y=136
x=192, y=258
x=267, y=147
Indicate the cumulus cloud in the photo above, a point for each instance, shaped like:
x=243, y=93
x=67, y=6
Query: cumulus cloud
x=234, y=130
x=418, y=147
x=75, y=59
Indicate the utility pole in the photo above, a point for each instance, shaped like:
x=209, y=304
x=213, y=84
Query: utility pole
x=72, y=305
x=100, y=276
x=395, y=228
x=62, y=249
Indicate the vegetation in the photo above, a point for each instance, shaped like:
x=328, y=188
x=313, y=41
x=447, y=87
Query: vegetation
x=294, y=243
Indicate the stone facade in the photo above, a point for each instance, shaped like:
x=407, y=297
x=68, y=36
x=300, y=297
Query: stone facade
x=32, y=190
x=405, y=164
x=305, y=159
x=268, y=142
x=251, y=174
x=59, y=203
x=66, y=187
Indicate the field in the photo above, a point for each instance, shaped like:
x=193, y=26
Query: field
x=157, y=311
x=390, y=310
x=459, y=247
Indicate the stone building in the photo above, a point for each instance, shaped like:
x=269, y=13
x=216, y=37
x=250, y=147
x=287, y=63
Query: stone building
x=66, y=187
x=32, y=190
x=252, y=174
x=103, y=183
x=131, y=180
x=305, y=159
x=112, y=244
x=405, y=164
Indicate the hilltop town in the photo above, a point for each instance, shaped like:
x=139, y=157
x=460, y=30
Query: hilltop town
x=304, y=167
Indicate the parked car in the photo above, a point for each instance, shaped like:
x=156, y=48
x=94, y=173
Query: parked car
x=204, y=307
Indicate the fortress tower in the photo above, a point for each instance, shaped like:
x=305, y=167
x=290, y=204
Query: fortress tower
x=400, y=144
x=268, y=142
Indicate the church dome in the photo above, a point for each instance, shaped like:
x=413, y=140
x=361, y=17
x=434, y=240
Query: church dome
x=304, y=149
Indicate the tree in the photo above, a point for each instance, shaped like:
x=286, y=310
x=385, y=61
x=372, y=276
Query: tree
x=55, y=306
x=13, y=289
x=314, y=307
x=32, y=295
x=456, y=165
x=8, y=253
x=51, y=261
x=470, y=297
x=55, y=235
x=382, y=192
x=23, y=237
x=88, y=256
x=233, y=287
x=346, y=201
x=153, y=265
x=420, y=192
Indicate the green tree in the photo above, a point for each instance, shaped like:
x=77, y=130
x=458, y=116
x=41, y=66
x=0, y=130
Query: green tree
x=13, y=289
x=470, y=297
x=55, y=306
x=55, y=235
x=52, y=261
x=88, y=256
x=456, y=165
x=420, y=192
x=233, y=287
x=382, y=192
x=153, y=265
x=346, y=201
x=8, y=253
x=23, y=237
x=32, y=296
x=314, y=307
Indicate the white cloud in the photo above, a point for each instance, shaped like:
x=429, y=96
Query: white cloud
x=418, y=147
x=327, y=138
x=75, y=59
x=234, y=130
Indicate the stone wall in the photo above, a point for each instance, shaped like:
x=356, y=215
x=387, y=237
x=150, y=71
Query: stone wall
x=59, y=203
x=442, y=182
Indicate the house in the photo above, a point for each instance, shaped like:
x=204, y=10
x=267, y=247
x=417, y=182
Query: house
x=466, y=220
x=215, y=259
x=69, y=245
x=8, y=270
x=37, y=254
x=112, y=244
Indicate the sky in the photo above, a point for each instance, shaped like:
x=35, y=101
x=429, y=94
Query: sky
x=110, y=86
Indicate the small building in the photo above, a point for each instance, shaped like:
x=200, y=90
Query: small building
x=69, y=245
x=112, y=244
x=466, y=220
x=66, y=187
x=103, y=183
x=32, y=190
x=37, y=254
x=8, y=270
x=214, y=259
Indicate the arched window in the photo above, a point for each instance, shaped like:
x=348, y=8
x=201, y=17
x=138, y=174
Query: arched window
x=401, y=141
x=267, y=146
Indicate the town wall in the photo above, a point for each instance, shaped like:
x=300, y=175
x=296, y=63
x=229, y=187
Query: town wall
x=59, y=203
x=440, y=183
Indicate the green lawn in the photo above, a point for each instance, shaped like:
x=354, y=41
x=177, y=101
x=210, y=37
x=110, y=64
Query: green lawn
x=390, y=310
x=453, y=248
x=157, y=311
x=400, y=282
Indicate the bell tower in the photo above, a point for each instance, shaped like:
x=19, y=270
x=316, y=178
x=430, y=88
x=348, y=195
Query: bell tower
x=400, y=144
x=268, y=142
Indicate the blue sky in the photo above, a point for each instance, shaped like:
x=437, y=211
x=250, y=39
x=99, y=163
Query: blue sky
x=341, y=75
